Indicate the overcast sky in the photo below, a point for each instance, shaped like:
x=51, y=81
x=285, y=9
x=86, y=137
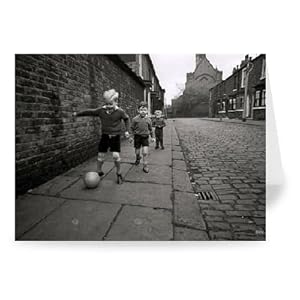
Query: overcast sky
x=171, y=69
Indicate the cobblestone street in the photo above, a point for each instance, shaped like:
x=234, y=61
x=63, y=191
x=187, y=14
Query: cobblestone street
x=227, y=160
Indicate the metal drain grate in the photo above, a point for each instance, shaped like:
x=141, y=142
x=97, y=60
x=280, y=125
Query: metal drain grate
x=207, y=195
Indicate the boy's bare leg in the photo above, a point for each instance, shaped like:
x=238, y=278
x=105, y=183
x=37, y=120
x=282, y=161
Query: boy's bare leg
x=117, y=161
x=138, y=155
x=145, y=162
x=162, y=141
x=100, y=161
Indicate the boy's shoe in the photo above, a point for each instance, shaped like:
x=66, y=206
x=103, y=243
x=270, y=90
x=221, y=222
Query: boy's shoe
x=137, y=161
x=100, y=174
x=146, y=169
x=156, y=147
x=162, y=147
x=119, y=178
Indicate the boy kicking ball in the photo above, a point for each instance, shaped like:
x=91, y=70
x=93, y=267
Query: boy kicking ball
x=111, y=117
x=141, y=127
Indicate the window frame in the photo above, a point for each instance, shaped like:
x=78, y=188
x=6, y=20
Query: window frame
x=257, y=98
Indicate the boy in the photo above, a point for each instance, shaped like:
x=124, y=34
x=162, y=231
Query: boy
x=141, y=128
x=159, y=124
x=111, y=116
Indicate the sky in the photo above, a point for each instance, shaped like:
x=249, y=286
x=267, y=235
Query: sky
x=171, y=69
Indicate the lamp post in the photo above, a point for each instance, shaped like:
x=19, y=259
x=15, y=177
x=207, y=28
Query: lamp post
x=247, y=72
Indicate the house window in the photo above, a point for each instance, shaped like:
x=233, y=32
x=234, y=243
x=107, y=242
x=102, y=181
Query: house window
x=263, y=69
x=234, y=103
x=223, y=105
x=241, y=102
x=263, y=98
x=257, y=98
x=230, y=104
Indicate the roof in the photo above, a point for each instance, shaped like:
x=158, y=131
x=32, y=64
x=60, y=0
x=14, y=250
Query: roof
x=118, y=61
x=238, y=70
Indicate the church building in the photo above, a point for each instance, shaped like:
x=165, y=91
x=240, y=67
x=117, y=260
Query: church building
x=194, y=102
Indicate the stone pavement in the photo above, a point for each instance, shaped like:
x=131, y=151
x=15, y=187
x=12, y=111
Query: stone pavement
x=238, y=121
x=227, y=162
x=160, y=205
x=217, y=195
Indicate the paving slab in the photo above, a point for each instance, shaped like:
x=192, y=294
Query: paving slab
x=179, y=165
x=55, y=186
x=160, y=157
x=187, y=234
x=187, y=211
x=178, y=155
x=111, y=175
x=91, y=166
x=31, y=209
x=146, y=194
x=158, y=174
x=141, y=224
x=181, y=181
x=75, y=221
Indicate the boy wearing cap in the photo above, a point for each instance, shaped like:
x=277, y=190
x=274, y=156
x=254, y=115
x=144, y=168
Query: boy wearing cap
x=141, y=127
x=159, y=123
x=111, y=117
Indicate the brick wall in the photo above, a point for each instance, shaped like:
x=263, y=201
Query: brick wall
x=48, y=89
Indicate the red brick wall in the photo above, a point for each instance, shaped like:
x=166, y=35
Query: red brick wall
x=48, y=89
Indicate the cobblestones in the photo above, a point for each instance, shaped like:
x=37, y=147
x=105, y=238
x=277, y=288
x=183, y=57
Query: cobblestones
x=228, y=159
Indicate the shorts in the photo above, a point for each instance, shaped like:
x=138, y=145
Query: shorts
x=113, y=142
x=141, y=141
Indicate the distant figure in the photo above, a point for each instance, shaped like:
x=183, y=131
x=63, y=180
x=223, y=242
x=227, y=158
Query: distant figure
x=159, y=123
x=141, y=128
x=111, y=116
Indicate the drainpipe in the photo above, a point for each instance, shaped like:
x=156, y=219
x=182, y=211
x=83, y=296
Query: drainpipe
x=247, y=72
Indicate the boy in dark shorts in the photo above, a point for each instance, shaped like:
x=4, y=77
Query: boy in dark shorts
x=141, y=128
x=111, y=117
x=159, y=124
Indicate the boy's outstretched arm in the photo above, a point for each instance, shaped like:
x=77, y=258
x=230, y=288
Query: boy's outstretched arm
x=87, y=112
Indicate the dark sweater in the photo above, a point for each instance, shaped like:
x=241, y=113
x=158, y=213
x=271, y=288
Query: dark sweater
x=111, y=122
x=142, y=126
x=158, y=123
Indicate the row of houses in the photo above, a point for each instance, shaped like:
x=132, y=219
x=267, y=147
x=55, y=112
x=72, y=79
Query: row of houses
x=243, y=93
x=142, y=65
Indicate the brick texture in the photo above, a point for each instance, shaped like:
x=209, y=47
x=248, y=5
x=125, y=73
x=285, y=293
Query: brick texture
x=49, y=88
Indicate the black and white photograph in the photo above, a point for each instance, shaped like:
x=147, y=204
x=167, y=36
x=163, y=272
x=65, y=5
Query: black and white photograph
x=140, y=147
x=149, y=150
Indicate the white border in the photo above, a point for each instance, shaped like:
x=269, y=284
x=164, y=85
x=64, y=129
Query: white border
x=214, y=270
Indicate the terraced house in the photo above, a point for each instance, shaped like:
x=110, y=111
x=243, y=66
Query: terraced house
x=142, y=65
x=243, y=93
